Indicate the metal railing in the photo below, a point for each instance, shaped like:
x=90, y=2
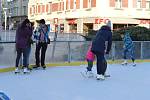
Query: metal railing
x=70, y=51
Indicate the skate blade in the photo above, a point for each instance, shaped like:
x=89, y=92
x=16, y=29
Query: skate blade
x=106, y=75
x=100, y=79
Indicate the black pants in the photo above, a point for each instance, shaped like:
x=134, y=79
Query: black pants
x=101, y=63
x=40, y=47
x=21, y=51
x=90, y=65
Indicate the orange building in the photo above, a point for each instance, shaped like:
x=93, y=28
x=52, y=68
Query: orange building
x=83, y=15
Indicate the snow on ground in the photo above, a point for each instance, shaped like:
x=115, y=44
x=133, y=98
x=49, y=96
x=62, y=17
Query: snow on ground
x=66, y=83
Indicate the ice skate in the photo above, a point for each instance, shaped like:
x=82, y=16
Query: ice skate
x=106, y=75
x=89, y=74
x=44, y=67
x=134, y=64
x=100, y=77
x=17, y=70
x=25, y=71
x=124, y=63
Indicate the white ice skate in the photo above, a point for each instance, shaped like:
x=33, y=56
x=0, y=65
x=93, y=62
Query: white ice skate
x=25, y=70
x=100, y=77
x=90, y=74
x=17, y=70
x=134, y=64
x=124, y=63
x=106, y=75
x=87, y=74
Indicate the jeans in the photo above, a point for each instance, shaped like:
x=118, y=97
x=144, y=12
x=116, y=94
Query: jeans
x=131, y=53
x=21, y=51
x=28, y=50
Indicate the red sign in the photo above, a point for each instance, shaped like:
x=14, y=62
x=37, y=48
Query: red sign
x=144, y=21
x=101, y=20
x=72, y=21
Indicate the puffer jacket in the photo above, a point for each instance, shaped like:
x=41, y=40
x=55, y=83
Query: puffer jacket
x=37, y=33
x=103, y=35
x=23, y=36
x=128, y=44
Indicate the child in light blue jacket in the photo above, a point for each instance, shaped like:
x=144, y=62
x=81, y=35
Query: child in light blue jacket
x=128, y=47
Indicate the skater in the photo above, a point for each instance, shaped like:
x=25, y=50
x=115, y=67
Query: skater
x=23, y=34
x=128, y=47
x=98, y=48
x=90, y=58
x=30, y=42
x=41, y=36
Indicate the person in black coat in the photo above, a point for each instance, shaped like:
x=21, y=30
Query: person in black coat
x=99, y=49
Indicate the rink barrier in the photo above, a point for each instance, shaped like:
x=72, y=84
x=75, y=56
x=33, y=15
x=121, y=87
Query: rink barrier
x=69, y=52
x=73, y=64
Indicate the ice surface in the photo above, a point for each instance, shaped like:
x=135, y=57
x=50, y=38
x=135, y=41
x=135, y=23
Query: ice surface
x=66, y=83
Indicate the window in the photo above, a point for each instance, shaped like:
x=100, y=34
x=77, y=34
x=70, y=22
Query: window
x=118, y=4
x=74, y=4
x=89, y=3
x=148, y=4
x=67, y=4
x=25, y=10
x=77, y=4
x=50, y=7
x=61, y=6
x=15, y=11
x=139, y=4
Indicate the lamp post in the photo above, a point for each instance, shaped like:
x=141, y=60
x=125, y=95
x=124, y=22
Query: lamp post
x=9, y=26
x=5, y=14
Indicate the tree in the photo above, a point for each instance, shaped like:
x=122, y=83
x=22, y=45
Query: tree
x=137, y=33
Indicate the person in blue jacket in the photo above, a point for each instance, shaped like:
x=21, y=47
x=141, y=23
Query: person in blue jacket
x=128, y=47
x=41, y=36
x=99, y=49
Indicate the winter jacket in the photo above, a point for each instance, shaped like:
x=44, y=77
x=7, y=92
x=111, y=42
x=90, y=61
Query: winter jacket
x=23, y=36
x=90, y=55
x=41, y=29
x=103, y=35
x=128, y=44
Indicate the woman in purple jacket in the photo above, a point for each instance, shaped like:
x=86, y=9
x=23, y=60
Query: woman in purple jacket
x=23, y=34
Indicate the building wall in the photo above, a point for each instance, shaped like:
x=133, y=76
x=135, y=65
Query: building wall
x=82, y=13
x=17, y=10
x=0, y=9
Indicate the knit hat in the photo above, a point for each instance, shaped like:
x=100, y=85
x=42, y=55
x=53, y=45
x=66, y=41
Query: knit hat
x=108, y=24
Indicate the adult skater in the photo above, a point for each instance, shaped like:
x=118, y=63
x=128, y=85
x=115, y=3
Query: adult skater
x=23, y=34
x=128, y=47
x=98, y=48
x=41, y=36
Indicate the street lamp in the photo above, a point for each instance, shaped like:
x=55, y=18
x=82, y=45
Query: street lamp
x=9, y=25
x=5, y=14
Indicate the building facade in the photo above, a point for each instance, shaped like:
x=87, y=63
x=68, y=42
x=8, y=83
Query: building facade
x=80, y=16
x=17, y=11
x=0, y=15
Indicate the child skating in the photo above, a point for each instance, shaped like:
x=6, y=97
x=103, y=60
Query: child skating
x=128, y=48
x=89, y=58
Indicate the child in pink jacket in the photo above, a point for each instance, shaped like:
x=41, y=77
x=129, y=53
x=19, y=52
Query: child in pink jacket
x=90, y=58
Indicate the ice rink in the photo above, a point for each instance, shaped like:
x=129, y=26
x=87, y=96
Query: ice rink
x=66, y=83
